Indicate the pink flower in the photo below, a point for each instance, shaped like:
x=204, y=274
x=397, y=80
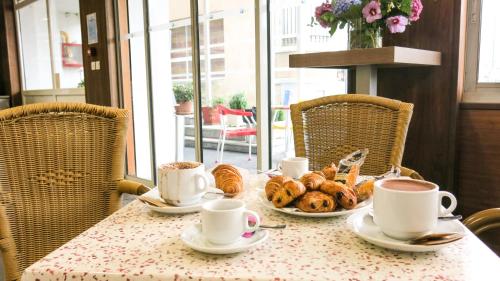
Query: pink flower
x=396, y=24
x=372, y=12
x=416, y=9
x=320, y=10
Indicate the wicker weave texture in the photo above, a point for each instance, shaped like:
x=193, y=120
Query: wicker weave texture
x=329, y=128
x=59, y=168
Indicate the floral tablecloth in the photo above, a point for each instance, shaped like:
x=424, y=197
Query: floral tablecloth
x=137, y=244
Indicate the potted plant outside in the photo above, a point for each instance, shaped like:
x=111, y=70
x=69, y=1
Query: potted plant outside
x=183, y=94
x=237, y=102
x=210, y=113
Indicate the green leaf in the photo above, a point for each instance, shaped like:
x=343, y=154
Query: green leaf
x=333, y=28
x=405, y=6
x=342, y=25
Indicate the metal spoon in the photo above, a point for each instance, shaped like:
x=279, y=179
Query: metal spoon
x=449, y=218
x=278, y=226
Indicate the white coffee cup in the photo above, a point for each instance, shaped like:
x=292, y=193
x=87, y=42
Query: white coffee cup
x=182, y=186
x=408, y=208
x=294, y=167
x=223, y=221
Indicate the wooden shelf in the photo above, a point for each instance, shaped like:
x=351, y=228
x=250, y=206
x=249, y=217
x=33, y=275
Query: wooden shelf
x=379, y=57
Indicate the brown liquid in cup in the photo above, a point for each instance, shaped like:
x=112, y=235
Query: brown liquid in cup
x=407, y=185
x=180, y=165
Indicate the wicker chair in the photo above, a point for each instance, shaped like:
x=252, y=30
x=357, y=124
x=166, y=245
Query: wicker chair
x=483, y=221
x=326, y=129
x=61, y=171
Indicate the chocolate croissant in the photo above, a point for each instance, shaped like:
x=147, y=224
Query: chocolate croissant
x=274, y=184
x=312, y=181
x=342, y=194
x=316, y=202
x=228, y=179
x=330, y=171
x=287, y=193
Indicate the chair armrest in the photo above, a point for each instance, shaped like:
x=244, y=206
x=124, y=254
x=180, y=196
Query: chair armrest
x=410, y=173
x=132, y=187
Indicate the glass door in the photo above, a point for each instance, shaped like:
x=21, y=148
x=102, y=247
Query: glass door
x=50, y=50
x=157, y=58
x=290, y=32
x=228, y=83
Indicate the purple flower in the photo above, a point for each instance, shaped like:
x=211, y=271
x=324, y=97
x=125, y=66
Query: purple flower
x=372, y=12
x=396, y=24
x=320, y=10
x=342, y=6
x=416, y=9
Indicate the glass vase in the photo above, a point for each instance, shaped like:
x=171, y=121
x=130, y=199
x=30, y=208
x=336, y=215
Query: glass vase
x=361, y=38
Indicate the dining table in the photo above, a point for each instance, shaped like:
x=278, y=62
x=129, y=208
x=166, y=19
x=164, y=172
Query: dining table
x=135, y=243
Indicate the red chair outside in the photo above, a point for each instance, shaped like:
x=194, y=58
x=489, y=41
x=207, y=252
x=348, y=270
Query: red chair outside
x=230, y=132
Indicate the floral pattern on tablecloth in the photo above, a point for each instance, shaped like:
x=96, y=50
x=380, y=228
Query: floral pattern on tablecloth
x=137, y=244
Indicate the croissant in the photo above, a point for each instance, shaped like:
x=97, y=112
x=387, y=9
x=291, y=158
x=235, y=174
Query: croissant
x=312, y=181
x=228, y=179
x=274, y=184
x=330, y=171
x=351, y=177
x=287, y=193
x=364, y=190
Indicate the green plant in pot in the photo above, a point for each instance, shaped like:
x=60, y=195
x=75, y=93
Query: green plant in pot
x=183, y=94
x=238, y=102
x=210, y=113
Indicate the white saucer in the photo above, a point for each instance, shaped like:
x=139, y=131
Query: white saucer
x=362, y=225
x=193, y=238
x=175, y=210
x=297, y=212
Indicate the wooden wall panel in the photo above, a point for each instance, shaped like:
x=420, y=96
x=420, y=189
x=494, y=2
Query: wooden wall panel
x=478, y=164
x=101, y=86
x=435, y=91
x=10, y=83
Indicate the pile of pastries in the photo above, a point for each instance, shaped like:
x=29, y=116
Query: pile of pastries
x=319, y=191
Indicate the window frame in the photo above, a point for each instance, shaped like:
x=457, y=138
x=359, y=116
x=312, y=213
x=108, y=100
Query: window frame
x=475, y=92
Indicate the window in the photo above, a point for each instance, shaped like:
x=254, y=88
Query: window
x=482, y=69
x=180, y=51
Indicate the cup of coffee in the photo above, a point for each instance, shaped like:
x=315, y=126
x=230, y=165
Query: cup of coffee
x=294, y=167
x=408, y=208
x=223, y=221
x=182, y=183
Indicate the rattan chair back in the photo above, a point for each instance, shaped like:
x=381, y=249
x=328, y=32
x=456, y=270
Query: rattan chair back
x=59, y=167
x=329, y=128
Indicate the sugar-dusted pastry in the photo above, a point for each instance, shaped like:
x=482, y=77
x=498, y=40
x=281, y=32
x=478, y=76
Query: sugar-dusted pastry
x=330, y=171
x=287, y=193
x=351, y=177
x=228, y=179
x=274, y=184
x=364, y=190
x=312, y=181
x=316, y=202
x=342, y=194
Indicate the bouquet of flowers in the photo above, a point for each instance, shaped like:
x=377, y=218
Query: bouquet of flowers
x=367, y=17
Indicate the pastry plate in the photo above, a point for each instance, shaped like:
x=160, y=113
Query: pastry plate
x=362, y=225
x=175, y=210
x=297, y=212
x=195, y=240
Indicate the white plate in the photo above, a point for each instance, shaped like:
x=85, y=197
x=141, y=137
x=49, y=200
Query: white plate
x=363, y=226
x=175, y=210
x=193, y=238
x=297, y=212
